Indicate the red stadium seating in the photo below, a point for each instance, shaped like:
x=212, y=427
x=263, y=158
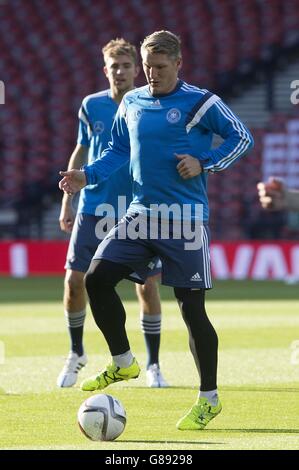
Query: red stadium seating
x=51, y=58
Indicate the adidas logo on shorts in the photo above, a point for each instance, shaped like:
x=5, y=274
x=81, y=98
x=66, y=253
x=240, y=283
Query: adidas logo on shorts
x=196, y=277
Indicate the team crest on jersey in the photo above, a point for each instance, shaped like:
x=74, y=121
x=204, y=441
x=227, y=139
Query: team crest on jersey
x=99, y=127
x=173, y=115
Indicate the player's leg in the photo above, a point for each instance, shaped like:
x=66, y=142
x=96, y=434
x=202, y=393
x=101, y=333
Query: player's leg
x=82, y=246
x=110, y=316
x=74, y=301
x=150, y=319
x=115, y=259
x=203, y=342
x=187, y=268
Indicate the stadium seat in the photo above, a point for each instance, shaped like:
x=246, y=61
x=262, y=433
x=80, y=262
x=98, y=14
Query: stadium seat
x=51, y=58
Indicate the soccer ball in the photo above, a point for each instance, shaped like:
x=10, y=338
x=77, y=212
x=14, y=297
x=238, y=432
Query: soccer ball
x=102, y=418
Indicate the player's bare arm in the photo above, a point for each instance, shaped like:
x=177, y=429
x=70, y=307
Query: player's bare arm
x=189, y=166
x=67, y=214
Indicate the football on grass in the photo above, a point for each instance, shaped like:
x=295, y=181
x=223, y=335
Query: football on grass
x=102, y=418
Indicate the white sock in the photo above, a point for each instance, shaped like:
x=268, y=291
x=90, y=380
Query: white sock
x=150, y=324
x=123, y=360
x=75, y=319
x=211, y=396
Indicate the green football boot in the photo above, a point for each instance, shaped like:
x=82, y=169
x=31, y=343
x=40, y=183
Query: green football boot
x=199, y=416
x=111, y=375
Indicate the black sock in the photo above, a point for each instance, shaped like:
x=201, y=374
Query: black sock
x=151, y=328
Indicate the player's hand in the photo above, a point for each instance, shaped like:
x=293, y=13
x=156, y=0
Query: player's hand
x=72, y=181
x=67, y=216
x=189, y=166
x=272, y=194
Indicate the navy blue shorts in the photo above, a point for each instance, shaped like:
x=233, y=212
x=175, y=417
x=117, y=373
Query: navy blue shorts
x=181, y=267
x=84, y=242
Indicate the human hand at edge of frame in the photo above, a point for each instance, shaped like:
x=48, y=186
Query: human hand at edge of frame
x=189, y=166
x=72, y=181
x=272, y=194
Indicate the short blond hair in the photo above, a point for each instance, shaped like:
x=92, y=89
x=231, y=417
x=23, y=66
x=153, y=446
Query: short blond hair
x=119, y=46
x=163, y=42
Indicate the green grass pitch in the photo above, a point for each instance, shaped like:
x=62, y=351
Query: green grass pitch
x=258, y=371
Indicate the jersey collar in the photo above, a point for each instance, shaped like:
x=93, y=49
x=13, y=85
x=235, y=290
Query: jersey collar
x=177, y=87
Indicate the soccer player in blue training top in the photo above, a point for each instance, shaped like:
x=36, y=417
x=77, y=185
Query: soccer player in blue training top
x=95, y=121
x=166, y=129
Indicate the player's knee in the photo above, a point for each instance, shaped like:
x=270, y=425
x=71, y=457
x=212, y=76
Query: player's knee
x=192, y=305
x=189, y=295
x=74, y=282
x=93, y=279
x=181, y=293
x=148, y=290
x=102, y=275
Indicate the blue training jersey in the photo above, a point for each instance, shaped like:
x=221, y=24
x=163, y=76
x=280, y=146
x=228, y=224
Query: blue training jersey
x=96, y=116
x=149, y=130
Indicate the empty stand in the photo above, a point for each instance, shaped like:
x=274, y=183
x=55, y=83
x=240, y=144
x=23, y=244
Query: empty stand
x=51, y=58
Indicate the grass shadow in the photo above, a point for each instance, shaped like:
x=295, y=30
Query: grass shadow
x=258, y=389
x=171, y=442
x=256, y=431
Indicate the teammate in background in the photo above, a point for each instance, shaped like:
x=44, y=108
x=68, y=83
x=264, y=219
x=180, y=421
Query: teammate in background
x=95, y=120
x=275, y=196
x=165, y=129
